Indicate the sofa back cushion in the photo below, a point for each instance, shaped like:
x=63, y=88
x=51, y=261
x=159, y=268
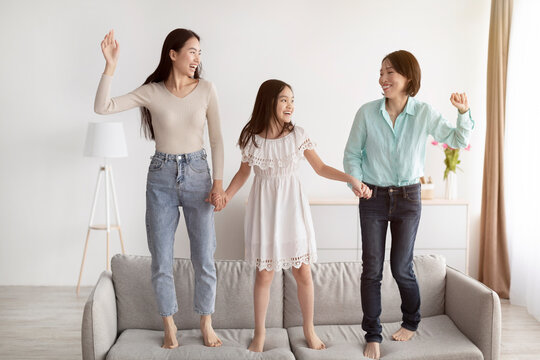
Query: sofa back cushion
x=337, y=292
x=137, y=307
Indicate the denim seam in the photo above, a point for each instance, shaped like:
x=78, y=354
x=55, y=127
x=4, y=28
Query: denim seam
x=408, y=327
x=174, y=311
x=204, y=312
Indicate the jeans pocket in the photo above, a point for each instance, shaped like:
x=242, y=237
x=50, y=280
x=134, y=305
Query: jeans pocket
x=413, y=196
x=156, y=164
x=199, y=165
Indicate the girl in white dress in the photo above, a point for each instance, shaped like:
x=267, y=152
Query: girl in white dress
x=278, y=227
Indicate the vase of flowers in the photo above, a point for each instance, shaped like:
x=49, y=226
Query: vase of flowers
x=451, y=160
x=450, y=191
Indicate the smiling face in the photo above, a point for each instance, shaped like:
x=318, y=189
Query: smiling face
x=285, y=105
x=392, y=83
x=188, y=58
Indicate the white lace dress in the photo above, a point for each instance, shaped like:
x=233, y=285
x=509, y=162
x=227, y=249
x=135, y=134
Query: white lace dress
x=278, y=227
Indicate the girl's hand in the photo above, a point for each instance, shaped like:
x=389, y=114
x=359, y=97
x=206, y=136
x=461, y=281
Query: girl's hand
x=110, y=49
x=226, y=199
x=220, y=201
x=460, y=102
x=367, y=192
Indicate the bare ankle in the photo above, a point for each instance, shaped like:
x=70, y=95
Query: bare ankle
x=259, y=332
x=206, y=320
x=168, y=323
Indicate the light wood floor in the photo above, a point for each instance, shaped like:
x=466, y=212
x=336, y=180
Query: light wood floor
x=45, y=323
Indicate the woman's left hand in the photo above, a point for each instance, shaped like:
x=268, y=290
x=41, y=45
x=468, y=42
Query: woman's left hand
x=460, y=102
x=217, y=196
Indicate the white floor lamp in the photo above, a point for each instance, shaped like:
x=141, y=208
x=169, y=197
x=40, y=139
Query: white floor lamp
x=105, y=140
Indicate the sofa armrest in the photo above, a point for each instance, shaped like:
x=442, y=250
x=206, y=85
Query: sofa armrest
x=99, y=325
x=476, y=311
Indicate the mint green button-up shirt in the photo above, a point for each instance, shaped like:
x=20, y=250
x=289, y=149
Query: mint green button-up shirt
x=383, y=154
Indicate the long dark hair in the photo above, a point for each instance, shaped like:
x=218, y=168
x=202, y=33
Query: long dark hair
x=264, y=112
x=174, y=41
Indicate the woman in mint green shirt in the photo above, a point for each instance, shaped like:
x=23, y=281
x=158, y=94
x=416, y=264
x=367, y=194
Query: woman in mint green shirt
x=386, y=151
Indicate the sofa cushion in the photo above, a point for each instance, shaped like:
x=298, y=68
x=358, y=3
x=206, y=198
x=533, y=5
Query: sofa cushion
x=337, y=292
x=137, y=308
x=436, y=338
x=137, y=344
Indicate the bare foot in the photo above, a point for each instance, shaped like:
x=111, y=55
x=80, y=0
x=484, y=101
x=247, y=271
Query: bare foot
x=403, y=335
x=372, y=350
x=313, y=340
x=257, y=344
x=169, y=340
x=209, y=335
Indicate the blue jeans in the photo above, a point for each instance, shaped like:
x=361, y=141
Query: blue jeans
x=401, y=206
x=181, y=180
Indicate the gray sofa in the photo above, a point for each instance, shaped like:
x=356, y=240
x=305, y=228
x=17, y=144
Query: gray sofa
x=461, y=318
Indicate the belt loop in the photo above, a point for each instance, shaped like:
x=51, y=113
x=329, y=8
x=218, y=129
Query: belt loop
x=374, y=191
x=404, y=192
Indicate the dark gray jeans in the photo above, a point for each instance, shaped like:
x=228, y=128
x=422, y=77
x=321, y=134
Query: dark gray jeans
x=401, y=206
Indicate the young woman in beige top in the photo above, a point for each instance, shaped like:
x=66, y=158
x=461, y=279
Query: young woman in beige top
x=176, y=104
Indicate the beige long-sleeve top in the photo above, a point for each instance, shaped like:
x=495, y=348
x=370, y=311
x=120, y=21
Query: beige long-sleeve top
x=178, y=122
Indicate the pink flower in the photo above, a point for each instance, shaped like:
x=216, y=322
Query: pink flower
x=468, y=147
x=434, y=142
x=444, y=146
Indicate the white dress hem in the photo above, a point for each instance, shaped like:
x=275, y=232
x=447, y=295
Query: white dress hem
x=284, y=264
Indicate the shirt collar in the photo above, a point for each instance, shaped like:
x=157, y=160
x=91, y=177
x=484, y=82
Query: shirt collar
x=409, y=108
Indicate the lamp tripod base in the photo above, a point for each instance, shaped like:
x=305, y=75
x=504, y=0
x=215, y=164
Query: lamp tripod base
x=104, y=171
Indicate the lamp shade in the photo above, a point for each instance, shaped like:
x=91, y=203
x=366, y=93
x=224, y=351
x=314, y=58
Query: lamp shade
x=105, y=139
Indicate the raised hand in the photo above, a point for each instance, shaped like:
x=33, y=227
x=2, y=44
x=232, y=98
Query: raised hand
x=110, y=48
x=460, y=102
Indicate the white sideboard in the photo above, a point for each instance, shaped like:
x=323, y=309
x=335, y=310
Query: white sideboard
x=443, y=229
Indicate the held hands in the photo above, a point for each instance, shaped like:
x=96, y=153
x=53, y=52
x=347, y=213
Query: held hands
x=110, y=48
x=460, y=102
x=360, y=189
x=220, y=201
x=217, y=197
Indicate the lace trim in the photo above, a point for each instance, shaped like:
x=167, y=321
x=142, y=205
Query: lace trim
x=306, y=145
x=264, y=163
x=285, y=263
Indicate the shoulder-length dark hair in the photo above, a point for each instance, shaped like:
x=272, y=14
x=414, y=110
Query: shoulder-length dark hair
x=406, y=64
x=264, y=112
x=174, y=41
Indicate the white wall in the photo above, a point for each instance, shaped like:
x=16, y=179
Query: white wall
x=329, y=51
